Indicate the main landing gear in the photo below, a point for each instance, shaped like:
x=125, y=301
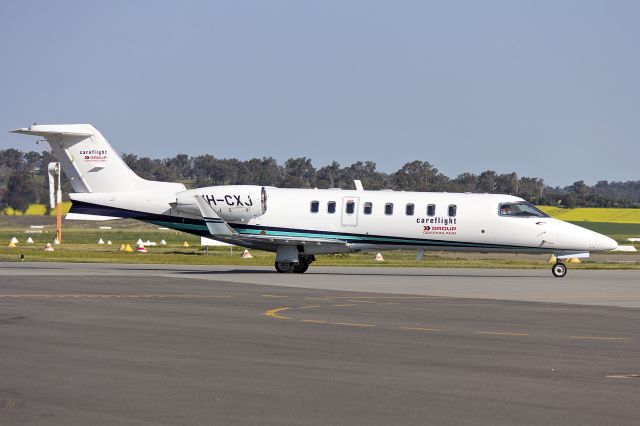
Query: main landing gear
x=559, y=270
x=299, y=267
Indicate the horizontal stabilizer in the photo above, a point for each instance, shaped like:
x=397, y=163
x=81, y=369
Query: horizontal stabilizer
x=217, y=227
x=45, y=131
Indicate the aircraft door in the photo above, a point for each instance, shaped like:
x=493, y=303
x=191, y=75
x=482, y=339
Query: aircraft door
x=350, y=211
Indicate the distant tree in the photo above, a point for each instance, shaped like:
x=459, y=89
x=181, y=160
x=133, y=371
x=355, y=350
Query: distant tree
x=31, y=161
x=487, y=181
x=328, y=176
x=162, y=172
x=12, y=159
x=202, y=166
x=416, y=176
x=507, y=183
x=367, y=173
x=299, y=173
x=466, y=182
x=21, y=190
x=530, y=188
x=3, y=199
x=569, y=200
x=130, y=160
x=266, y=171
x=579, y=188
x=182, y=166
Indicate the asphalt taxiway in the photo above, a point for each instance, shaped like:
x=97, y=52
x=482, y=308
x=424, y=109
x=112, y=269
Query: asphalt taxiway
x=138, y=344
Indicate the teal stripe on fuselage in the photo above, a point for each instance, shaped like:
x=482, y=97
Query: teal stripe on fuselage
x=356, y=238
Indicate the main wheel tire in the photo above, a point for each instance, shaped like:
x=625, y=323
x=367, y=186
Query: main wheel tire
x=559, y=270
x=301, y=267
x=284, y=267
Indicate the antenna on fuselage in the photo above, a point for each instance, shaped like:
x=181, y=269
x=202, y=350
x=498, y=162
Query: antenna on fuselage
x=358, y=185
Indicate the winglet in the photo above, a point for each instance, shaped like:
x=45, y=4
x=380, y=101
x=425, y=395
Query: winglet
x=217, y=227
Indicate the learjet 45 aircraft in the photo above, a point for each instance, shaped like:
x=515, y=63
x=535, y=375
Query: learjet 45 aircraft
x=298, y=224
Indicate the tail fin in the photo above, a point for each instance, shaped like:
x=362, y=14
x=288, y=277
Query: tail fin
x=90, y=163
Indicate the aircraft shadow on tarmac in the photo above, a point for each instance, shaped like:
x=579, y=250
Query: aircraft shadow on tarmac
x=348, y=274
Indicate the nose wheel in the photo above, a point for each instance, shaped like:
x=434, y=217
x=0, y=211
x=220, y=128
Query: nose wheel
x=559, y=270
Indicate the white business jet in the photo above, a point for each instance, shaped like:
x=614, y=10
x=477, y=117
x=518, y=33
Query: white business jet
x=298, y=224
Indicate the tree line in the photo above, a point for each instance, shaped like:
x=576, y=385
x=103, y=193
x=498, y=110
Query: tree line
x=23, y=179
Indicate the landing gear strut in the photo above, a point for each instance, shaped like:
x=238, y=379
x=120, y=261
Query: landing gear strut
x=559, y=270
x=299, y=267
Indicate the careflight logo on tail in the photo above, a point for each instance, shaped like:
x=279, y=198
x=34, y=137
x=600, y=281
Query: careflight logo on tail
x=94, y=155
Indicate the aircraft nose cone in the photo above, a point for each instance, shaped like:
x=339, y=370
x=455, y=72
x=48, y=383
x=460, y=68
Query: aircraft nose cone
x=605, y=243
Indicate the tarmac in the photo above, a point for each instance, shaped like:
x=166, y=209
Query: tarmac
x=163, y=344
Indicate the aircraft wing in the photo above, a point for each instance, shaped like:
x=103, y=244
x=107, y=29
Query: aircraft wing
x=217, y=227
x=286, y=240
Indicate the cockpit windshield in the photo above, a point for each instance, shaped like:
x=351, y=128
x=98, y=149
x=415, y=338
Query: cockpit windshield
x=520, y=209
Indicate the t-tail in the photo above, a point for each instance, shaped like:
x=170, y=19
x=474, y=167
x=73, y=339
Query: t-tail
x=90, y=163
x=93, y=167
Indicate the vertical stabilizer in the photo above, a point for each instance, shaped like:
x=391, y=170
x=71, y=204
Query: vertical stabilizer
x=90, y=163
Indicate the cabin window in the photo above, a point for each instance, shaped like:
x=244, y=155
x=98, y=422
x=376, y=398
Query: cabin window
x=520, y=209
x=315, y=206
x=350, y=207
x=368, y=208
x=331, y=207
x=452, y=210
x=388, y=209
x=409, y=209
x=431, y=210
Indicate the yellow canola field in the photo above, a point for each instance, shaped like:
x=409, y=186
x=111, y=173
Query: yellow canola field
x=610, y=215
x=37, y=210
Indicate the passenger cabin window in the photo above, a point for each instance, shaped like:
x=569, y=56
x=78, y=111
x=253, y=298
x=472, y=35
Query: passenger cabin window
x=315, y=206
x=388, y=209
x=331, y=207
x=431, y=210
x=409, y=209
x=350, y=207
x=452, y=210
x=368, y=208
x=521, y=209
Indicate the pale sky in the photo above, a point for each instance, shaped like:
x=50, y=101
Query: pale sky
x=543, y=88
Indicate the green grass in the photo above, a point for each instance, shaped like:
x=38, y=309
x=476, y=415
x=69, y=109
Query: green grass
x=222, y=256
x=619, y=231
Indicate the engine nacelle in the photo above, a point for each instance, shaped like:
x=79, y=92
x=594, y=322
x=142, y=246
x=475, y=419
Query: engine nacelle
x=233, y=203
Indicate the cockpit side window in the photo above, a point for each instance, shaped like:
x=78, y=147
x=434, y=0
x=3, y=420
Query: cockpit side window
x=520, y=209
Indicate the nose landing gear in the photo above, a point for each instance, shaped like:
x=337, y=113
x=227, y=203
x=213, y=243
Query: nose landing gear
x=559, y=270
